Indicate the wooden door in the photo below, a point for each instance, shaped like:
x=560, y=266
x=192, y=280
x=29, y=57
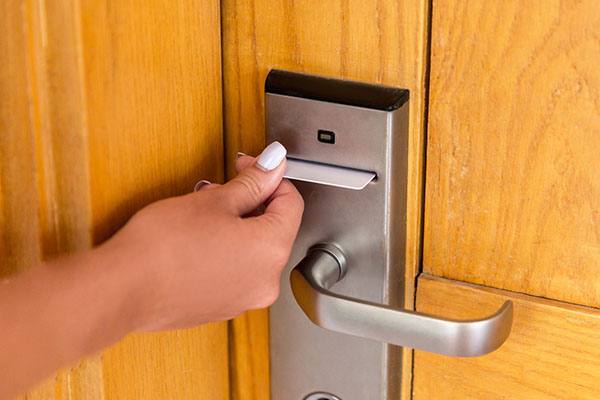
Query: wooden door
x=512, y=206
x=105, y=107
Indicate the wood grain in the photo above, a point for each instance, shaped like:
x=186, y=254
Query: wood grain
x=153, y=93
x=553, y=351
x=20, y=202
x=375, y=41
x=44, y=200
x=106, y=107
x=153, y=81
x=61, y=143
x=513, y=173
x=185, y=364
x=248, y=349
x=19, y=199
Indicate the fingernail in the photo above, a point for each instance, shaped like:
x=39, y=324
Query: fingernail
x=271, y=156
x=200, y=184
x=240, y=154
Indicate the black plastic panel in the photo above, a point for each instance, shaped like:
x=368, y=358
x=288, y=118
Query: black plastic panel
x=339, y=91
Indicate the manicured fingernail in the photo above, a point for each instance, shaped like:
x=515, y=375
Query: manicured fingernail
x=200, y=184
x=271, y=156
x=240, y=154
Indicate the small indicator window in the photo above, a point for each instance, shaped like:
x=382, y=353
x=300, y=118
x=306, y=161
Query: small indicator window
x=326, y=136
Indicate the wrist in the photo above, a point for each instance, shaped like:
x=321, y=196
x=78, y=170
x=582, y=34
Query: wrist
x=124, y=291
x=91, y=292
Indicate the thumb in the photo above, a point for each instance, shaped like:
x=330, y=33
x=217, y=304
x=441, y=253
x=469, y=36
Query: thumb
x=254, y=184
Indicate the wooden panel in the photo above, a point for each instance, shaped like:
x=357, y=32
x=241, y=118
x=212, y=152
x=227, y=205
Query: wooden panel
x=153, y=91
x=106, y=107
x=153, y=88
x=20, y=202
x=553, y=351
x=19, y=199
x=376, y=41
x=513, y=173
x=56, y=79
x=39, y=127
x=184, y=364
x=248, y=349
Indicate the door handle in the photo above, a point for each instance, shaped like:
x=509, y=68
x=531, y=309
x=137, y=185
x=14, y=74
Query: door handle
x=325, y=264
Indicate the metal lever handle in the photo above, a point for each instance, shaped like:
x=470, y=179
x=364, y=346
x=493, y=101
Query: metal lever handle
x=325, y=265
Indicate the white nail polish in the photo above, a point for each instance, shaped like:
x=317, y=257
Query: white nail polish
x=271, y=156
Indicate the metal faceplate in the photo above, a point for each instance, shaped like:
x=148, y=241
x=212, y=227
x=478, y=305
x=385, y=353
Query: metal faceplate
x=367, y=224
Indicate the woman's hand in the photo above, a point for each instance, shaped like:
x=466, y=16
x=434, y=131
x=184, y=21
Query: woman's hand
x=210, y=255
x=179, y=262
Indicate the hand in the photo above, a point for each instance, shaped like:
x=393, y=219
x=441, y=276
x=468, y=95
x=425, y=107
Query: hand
x=210, y=255
x=180, y=262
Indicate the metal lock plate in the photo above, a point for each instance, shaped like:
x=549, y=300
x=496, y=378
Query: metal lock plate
x=353, y=179
x=370, y=124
